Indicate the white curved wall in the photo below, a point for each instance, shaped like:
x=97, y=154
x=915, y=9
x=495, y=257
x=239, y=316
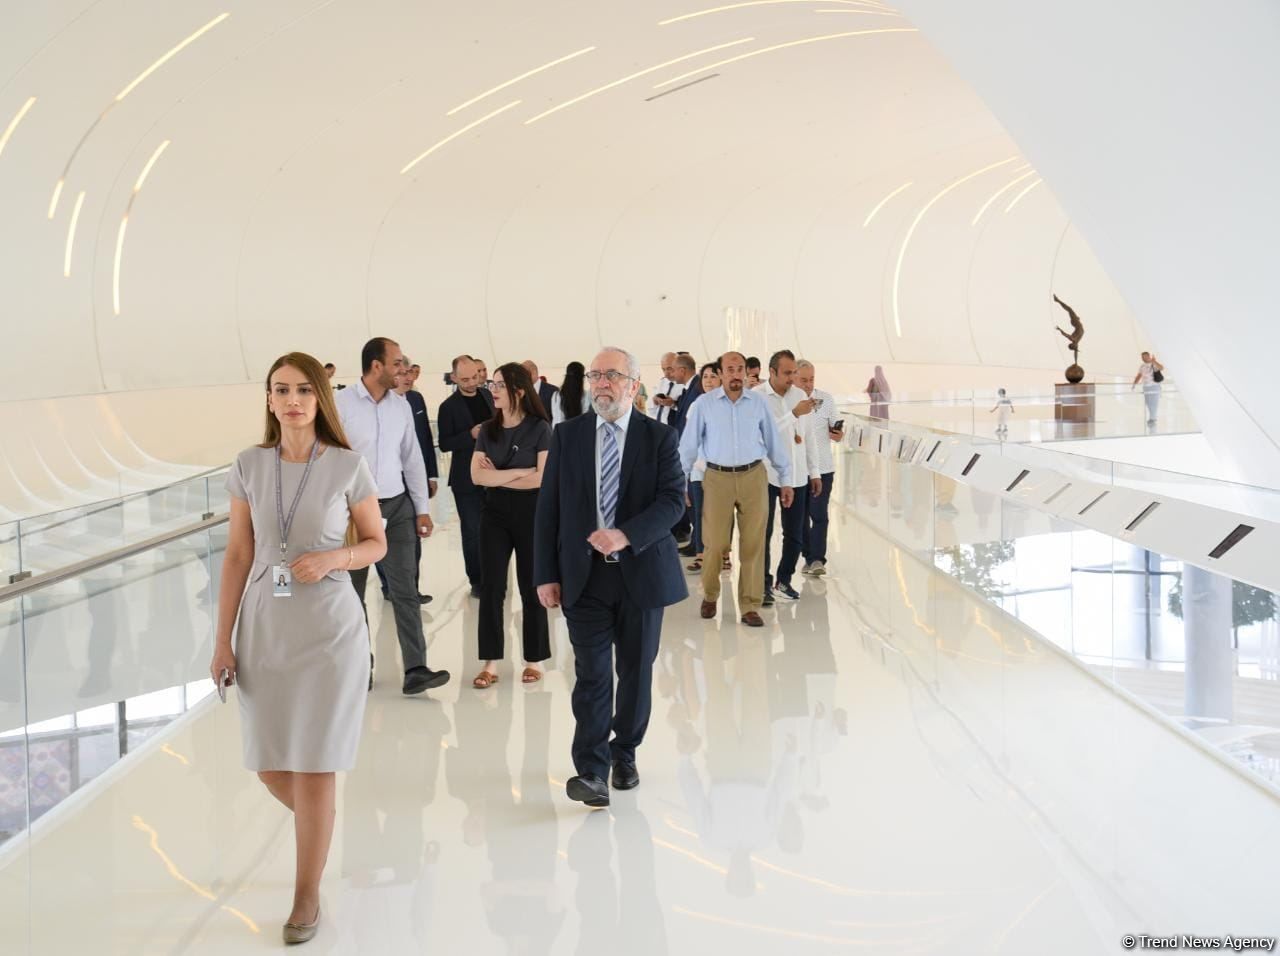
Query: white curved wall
x=277, y=217
x=1155, y=122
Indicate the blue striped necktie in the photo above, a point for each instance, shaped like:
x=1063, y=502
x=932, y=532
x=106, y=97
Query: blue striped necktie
x=610, y=472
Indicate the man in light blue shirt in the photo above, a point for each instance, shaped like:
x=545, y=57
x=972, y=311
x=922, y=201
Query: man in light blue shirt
x=734, y=431
x=379, y=425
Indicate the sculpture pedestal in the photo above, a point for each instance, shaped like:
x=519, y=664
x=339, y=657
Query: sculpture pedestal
x=1074, y=403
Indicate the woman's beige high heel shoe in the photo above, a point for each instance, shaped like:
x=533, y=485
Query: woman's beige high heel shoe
x=301, y=932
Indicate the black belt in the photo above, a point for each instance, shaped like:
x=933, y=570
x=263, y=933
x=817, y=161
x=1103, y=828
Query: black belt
x=732, y=468
x=387, y=501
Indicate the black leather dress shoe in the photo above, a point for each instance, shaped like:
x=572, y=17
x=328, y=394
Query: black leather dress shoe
x=588, y=789
x=423, y=678
x=424, y=598
x=625, y=775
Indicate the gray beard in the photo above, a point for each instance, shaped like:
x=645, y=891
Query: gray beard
x=607, y=408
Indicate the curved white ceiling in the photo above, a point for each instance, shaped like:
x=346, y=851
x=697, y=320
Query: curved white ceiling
x=650, y=213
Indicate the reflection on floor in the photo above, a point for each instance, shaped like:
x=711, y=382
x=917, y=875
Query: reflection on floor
x=891, y=766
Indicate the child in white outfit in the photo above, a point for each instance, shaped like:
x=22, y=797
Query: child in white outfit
x=1003, y=409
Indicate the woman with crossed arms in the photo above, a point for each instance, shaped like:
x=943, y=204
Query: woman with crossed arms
x=304, y=508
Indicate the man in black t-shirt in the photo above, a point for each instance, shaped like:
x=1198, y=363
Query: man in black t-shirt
x=459, y=419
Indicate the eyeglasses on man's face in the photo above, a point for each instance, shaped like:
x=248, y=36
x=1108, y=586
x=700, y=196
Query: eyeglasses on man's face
x=613, y=376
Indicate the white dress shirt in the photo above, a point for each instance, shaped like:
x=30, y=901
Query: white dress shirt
x=621, y=437
x=383, y=433
x=824, y=417
x=804, y=458
x=673, y=391
x=557, y=408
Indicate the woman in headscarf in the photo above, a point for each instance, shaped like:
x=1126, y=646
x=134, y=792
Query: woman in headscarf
x=878, y=391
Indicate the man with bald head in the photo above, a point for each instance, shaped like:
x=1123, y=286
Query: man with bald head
x=546, y=391
x=460, y=417
x=732, y=429
x=611, y=490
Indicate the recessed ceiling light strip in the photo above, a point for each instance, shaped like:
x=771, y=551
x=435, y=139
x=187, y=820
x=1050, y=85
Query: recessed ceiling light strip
x=1018, y=198
x=1002, y=190
x=26, y=108
x=57, y=194
x=645, y=72
x=881, y=204
x=71, y=235
x=906, y=240
x=522, y=76
x=452, y=136
x=124, y=223
x=66, y=170
x=781, y=46
x=170, y=55
x=758, y=3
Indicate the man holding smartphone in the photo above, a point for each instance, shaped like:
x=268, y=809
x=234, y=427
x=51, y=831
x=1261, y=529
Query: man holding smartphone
x=827, y=428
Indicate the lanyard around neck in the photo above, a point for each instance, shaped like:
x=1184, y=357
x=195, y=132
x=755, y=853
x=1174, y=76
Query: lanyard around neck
x=287, y=523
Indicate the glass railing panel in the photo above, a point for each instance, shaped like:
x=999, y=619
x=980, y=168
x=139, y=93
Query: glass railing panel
x=55, y=540
x=10, y=552
x=1197, y=647
x=120, y=631
x=15, y=896
x=1118, y=411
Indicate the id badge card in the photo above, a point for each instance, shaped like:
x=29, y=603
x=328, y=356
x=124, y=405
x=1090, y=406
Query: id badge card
x=281, y=581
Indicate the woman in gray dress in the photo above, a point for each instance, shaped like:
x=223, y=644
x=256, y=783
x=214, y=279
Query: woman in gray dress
x=304, y=512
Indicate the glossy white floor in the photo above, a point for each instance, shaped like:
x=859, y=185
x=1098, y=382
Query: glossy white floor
x=889, y=767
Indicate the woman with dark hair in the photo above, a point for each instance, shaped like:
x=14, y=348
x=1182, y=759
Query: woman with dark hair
x=304, y=507
x=511, y=450
x=573, y=400
x=709, y=378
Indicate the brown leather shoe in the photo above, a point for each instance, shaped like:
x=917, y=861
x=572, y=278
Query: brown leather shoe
x=752, y=619
x=708, y=609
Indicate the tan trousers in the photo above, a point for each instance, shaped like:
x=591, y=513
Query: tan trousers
x=723, y=493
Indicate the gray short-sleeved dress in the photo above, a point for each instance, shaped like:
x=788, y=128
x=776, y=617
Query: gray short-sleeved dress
x=302, y=662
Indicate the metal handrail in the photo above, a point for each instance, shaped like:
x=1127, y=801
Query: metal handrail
x=115, y=502
x=40, y=581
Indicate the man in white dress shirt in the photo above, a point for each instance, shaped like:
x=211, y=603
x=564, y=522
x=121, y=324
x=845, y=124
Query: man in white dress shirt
x=816, y=519
x=792, y=413
x=683, y=368
x=379, y=425
x=668, y=365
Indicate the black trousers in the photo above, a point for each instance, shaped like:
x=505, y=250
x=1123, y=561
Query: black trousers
x=792, y=535
x=506, y=525
x=470, y=504
x=400, y=568
x=816, y=521
x=605, y=619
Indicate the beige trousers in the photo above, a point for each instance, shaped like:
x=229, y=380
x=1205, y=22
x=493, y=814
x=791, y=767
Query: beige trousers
x=723, y=493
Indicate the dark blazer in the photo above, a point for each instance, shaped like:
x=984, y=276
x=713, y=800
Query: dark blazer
x=546, y=392
x=650, y=501
x=455, y=424
x=422, y=425
x=680, y=414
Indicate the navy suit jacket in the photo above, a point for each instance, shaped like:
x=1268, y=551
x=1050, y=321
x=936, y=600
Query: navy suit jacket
x=650, y=500
x=422, y=425
x=680, y=414
x=546, y=392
